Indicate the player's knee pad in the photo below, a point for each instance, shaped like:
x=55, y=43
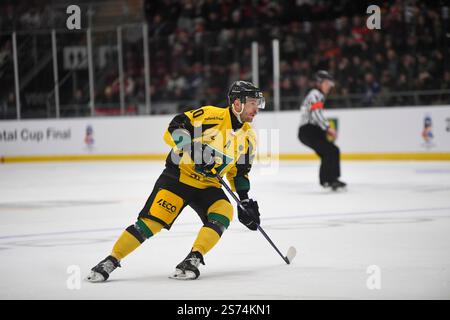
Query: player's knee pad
x=220, y=214
x=144, y=229
x=217, y=226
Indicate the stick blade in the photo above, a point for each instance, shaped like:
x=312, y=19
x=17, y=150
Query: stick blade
x=292, y=252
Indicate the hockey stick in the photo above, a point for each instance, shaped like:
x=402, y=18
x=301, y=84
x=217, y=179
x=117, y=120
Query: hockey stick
x=291, y=251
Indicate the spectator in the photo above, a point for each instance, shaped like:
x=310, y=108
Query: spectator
x=371, y=90
x=198, y=47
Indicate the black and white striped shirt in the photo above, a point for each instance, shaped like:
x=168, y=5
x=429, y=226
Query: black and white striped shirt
x=311, y=110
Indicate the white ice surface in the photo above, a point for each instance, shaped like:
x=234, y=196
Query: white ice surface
x=395, y=215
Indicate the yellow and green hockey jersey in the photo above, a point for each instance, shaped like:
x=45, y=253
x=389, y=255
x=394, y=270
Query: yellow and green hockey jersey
x=234, y=145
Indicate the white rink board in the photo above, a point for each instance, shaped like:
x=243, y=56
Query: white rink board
x=378, y=130
x=374, y=130
x=115, y=135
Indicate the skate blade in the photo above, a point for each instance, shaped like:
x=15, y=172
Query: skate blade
x=180, y=275
x=330, y=189
x=340, y=189
x=95, y=277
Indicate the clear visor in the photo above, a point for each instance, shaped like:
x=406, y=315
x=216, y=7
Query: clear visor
x=261, y=102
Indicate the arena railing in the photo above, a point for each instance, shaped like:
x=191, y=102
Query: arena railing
x=105, y=71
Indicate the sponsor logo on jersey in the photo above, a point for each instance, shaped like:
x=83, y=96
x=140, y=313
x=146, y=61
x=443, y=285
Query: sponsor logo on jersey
x=167, y=205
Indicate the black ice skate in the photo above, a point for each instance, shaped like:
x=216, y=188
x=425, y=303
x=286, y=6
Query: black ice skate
x=334, y=185
x=101, y=271
x=338, y=185
x=326, y=185
x=188, y=268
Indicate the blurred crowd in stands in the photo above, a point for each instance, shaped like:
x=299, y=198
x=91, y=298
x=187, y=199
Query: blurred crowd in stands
x=29, y=15
x=202, y=46
x=198, y=47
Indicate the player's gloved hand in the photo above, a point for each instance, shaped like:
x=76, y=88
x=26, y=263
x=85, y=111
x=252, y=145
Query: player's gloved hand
x=203, y=158
x=249, y=217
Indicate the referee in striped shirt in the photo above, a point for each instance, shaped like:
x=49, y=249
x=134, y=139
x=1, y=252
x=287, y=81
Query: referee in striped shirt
x=314, y=129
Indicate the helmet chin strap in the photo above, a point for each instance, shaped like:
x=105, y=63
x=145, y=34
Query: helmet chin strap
x=238, y=114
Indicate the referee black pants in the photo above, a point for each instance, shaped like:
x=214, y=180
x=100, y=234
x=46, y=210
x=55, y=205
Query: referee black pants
x=315, y=138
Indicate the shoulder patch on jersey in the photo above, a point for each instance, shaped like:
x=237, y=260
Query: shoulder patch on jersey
x=218, y=113
x=213, y=118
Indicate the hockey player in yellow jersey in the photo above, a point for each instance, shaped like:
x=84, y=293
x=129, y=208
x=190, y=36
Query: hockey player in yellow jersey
x=203, y=141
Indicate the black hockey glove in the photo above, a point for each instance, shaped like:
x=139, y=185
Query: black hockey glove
x=250, y=217
x=203, y=157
